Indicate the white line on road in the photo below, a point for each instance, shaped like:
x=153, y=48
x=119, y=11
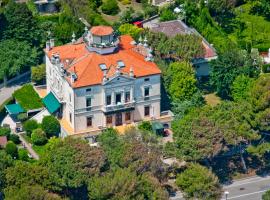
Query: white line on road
x=244, y=183
x=243, y=195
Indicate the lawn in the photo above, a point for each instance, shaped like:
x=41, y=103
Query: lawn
x=40, y=150
x=28, y=98
x=256, y=31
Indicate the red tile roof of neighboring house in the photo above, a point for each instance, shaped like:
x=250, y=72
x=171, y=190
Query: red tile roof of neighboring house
x=86, y=63
x=101, y=30
x=3, y=141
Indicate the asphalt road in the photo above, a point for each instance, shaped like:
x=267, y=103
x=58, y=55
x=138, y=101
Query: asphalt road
x=248, y=189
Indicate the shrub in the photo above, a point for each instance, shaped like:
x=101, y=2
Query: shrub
x=50, y=125
x=11, y=149
x=23, y=154
x=167, y=15
x=38, y=137
x=29, y=126
x=14, y=138
x=145, y=126
x=22, y=117
x=198, y=182
x=110, y=7
x=4, y=131
x=38, y=74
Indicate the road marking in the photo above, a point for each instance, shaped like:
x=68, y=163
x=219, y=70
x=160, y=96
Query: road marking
x=243, y=195
x=244, y=183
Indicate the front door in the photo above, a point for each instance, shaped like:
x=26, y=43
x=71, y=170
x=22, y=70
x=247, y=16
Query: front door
x=118, y=119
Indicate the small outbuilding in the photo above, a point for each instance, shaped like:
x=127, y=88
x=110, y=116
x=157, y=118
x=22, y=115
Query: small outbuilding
x=158, y=128
x=3, y=141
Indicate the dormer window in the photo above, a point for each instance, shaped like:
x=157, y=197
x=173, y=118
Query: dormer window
x=103, y=66
x=120, y=63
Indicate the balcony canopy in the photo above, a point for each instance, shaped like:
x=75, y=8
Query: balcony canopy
x=51, y=103
x=14, y=109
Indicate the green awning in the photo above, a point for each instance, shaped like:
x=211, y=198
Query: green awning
x=157, y=126
x=51, y=103
x=14, y=109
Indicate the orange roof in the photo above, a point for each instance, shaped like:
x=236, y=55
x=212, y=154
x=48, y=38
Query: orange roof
x=86, y=64
x=101, y=30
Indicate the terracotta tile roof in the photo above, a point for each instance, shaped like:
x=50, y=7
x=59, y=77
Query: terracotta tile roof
x=101, y=30
x=3, y=141
x=86, y=64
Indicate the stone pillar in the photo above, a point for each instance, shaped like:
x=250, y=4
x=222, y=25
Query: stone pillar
x=113, y=97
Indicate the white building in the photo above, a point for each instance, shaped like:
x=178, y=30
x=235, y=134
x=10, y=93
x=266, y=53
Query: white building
x=101, y=80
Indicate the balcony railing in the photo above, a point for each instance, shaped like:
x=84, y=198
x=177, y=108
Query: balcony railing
x=119, y=107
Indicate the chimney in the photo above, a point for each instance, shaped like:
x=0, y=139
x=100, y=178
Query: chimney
x=51, y=43
x=131, y=72
x=48, y=46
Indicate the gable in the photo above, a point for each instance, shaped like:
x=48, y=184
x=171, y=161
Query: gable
x=118, y=80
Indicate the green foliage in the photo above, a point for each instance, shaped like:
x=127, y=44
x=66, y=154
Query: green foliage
x=38, y=74
x=129, y=29
x=112, y=145
x=11, y=149
x=16, y=56
x=29, y=126
x=125, y=184
x=167, y=15
x=4, y=131
x=38, y=137
x=70, y=163
x=51, y=126
x=32, y=7
x=198, y=182
x=180, y=81
x=259, y=150
x=14, y=138
x=23, y=155
x=241, y=87
x=110, y=7
x=26, y=192
x=21, y=25
x=22, y=117
x=5, y=162
x=266, y=195
x=28, y=98
x=227, y=67
x=145, y=126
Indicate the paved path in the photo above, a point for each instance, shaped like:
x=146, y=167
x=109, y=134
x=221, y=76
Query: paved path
x=248, y=189
x=28, y=147
x=7, y=92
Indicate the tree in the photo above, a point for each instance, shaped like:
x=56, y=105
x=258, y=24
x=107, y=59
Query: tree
x=241, y=88
x=14, y=138
x=129, y=29
x=125, y=184
x=145, y=126
x=26, y=192
x=71, y=162
x=51, y=126
x=15, y=57
x=199, y=183
x=180, y=81
x=38, y=74
x=5, y=162
x=167, y=15
x=38, y=137
x=227, y=67
x=5, y=131
x=12, y=149
x=23, y=155
x=110, y=7
x=29, y=126
x=21, y=25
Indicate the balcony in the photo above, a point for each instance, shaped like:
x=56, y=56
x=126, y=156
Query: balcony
x=110, y=109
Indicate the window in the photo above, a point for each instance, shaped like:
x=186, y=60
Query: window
x=109, y=120
x=146, y=111
x=89, y=121
x=108, y=100
x=127, y=97
x=146, y=92
x=127, y=116
x=147, y=79
x=70, y=118
x=88, y=102
x=118, y=98
x=88, y=90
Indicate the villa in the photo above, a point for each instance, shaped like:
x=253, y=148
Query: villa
x=101, y=80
